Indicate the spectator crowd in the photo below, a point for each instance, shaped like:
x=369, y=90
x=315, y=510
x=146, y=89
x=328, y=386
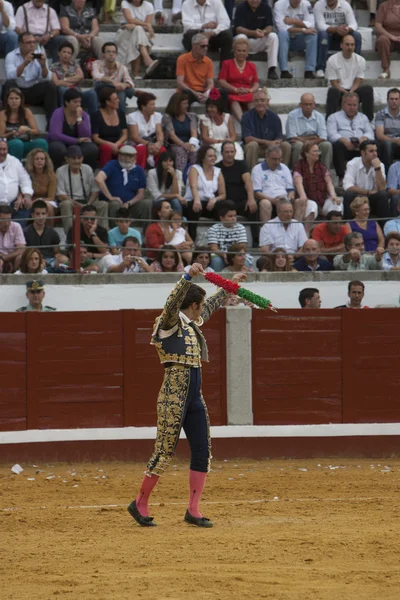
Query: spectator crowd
x=157, y=191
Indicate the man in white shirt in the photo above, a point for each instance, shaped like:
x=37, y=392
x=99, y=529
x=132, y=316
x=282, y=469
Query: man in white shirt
x=273, y=181
x=334, y=19
x=345, y=72
x=294, y=20
x=283, y=231
x=27, y=69
x=128, y=260
x=15, y=185
x=42, y=22
x=365, y=176
x=210, y=18
x=8, y=37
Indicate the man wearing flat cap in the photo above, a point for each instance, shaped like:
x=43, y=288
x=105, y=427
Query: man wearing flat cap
x=35, y=294
x=123, y=183
x=76, y=187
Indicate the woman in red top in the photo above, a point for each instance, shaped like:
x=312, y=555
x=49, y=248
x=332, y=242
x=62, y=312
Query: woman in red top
x=158, y=234
x=239, y=77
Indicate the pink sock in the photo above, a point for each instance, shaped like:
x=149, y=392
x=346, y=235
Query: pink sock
x=196, y=484
x=142, y=501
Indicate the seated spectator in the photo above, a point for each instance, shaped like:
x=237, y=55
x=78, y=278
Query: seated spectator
x=355, y=258
x=18, y=126
x=180, y=239
x=305, y=124
x=41, y=22
x=145, y=129
x=262, y=128
x=330, y=235
x=391, y=258
x=109, y=72
x=310, y=259
x=176, y=12
x=12, y=241
x=80, y=25
x=16, y=186
x=66, y=74
x=280, y=261
x=263, y=264
x=216, y=127
x=92, y=235
x=355, y=292
x=32, y=263
x=195, y=71
x=76, y=186
x=369, y=229
x=310, y=298
x=31, y=74
x=347, y=129
x=211, y=19
x=313, y=181
x=239, y=187
x=387, y=29
x=35, y=294
x=44, y=182
x=118, y=234
x=295, y=22
x=224, y=234
x=387, y=129
x=334, y=20
x=168, y=261
x=165, y=183
x=283, y=231
x=109, y=128
x=236, y=259
x=157, y=232
x=8, y=37
x=128, y=259
x=86, y=265
x=40, y=235
x=239, y=76
x=273, y=181
x=205, y=187
x=201, y=255
x=122, y=182
x=365, y=176
x=70, y=126
x=180, y=131
x=392, y=226
x=345, y=72
x=134, y=37
x=254, y=23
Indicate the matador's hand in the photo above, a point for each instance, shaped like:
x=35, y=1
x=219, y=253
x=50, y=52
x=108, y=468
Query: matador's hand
x=238, y=277
x=196, y=269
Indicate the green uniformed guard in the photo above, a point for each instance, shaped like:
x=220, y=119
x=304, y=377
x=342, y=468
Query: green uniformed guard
x=35, y=294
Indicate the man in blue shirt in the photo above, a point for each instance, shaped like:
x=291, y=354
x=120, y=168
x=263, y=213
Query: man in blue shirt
x=126, y=184
x=310, y=260
x=262, y=128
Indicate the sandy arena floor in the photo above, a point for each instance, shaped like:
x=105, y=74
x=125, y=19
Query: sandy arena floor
x=312, y=530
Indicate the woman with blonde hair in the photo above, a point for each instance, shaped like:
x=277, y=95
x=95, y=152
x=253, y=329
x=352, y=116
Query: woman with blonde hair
x=369, y=229
x=18, y=126
x=44, y=182
x=239, y=77
x=32, y=262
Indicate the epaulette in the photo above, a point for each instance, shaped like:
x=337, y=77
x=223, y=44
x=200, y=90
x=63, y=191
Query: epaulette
x=50, y=308
x=22, y=309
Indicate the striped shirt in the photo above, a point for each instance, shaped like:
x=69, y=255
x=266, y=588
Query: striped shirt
x=224, y=237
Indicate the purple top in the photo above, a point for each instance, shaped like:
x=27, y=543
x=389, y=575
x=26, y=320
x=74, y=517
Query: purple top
x=56, y=128
x=369, y=235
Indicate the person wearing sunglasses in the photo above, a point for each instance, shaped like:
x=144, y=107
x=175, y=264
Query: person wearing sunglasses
x=195, y=71
x=35, y=294
x=92, y=235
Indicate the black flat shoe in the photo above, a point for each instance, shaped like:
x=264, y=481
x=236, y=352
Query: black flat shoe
x=309, y=75
x=199, y=522
x=143, y=521
x=286, y=75
x=272, y=74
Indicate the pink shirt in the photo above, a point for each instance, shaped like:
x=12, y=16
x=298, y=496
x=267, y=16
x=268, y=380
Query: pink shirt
x=12, y=238
x=37, y=19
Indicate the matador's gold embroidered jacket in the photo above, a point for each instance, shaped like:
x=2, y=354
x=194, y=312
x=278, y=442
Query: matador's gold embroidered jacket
x=177, y=340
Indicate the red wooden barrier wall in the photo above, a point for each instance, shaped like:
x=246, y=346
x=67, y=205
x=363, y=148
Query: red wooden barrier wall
x=92, y=369
x=325, y=366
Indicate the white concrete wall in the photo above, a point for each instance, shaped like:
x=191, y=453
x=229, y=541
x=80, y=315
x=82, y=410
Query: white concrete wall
x=153, y=295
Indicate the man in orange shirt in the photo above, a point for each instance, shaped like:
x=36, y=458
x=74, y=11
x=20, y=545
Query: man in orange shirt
x=331, y=235
x=195, y=72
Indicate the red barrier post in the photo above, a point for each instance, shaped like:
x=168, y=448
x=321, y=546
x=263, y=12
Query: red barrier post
x=76, y=238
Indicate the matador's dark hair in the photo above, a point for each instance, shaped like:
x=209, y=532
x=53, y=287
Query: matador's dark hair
x=194, y=294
